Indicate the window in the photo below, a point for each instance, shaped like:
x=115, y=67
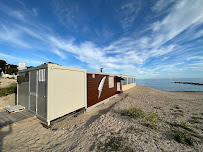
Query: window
x=41, y=75
x=132, y=80
x=124, y=81
x=93, y=75
x=129, y=81
x=111, y=81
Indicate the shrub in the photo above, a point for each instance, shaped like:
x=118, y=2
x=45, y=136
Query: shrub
x=114, y=143
x=184, y=124
x=134, y=113
x=12, y=88
x=151, y=119
x=183, y=137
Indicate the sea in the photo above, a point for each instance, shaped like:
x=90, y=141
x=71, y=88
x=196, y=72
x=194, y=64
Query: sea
x=170, y=85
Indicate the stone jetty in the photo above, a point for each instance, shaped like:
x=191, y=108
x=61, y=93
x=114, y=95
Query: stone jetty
x=190, y=83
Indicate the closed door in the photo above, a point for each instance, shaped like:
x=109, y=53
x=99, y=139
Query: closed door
x=41, y=96
x=33, y=91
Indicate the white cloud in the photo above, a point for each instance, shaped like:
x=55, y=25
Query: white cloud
x=175, y=22
x=10, y=59
x=21, y=3
x=8, y=34
x=30, y=32
x=17, y=15
x=35, y=12
x=128, y=13
x=67, y=14
x=60, y=53
x=161, y=5
x=128, y=55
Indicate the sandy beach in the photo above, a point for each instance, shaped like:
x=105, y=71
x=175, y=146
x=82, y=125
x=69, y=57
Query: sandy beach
x=94, y=130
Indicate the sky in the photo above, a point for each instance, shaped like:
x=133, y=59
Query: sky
x=146, y=39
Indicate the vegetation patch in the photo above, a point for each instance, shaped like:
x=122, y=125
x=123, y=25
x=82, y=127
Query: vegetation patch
x=183, y=137
x=184, y=134
x=151, y=119
x=12, y=88
x=185, y=125
x=194, y=120
x=134, y=113
x=114, y=142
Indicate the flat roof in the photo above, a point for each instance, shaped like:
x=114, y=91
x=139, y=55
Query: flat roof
x=45, y=65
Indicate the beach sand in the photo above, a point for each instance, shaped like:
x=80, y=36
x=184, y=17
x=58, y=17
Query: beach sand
x=88, y=131
x=5, y=82
x=6, y=100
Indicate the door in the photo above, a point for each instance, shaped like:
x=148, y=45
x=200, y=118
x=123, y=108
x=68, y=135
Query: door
x=41, y=96
x=118, y=86
x=33, y=91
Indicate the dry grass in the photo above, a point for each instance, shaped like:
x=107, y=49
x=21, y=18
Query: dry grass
x=12, y=88
x=134, y=113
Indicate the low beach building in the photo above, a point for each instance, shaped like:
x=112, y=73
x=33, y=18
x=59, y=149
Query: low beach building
x=51, y=91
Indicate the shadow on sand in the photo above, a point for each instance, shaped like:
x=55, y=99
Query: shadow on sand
x=4, y=134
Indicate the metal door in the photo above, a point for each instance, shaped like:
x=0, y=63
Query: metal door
x=41, y=100
x=33, y=91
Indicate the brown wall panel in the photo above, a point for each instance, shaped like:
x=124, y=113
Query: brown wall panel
x=92, y=89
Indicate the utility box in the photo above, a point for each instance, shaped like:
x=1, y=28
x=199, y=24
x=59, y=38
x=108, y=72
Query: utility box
x=52, y=91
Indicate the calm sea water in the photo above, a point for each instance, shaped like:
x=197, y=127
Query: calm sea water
x=169, y=85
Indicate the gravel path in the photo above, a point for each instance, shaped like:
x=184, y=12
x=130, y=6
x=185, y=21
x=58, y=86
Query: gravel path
x=105, y=126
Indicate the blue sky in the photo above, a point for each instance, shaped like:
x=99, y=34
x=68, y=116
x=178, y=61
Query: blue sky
x=147, y=39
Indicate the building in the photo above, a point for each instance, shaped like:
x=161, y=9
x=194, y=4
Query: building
x=52, y=91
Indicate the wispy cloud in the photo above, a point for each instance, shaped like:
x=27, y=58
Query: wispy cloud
x=161, y=5
x=17, y=15
x=173, y=24
x=35, y=12
x=150, y=53
x=67, y=14
x=59, y=53
x=13, y=36
x=128, y=13
x=10, y=58
x=21, y=3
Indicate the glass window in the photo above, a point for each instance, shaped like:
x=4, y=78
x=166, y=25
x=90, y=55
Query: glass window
x=111, y=81
x=41, y=75
x=124, y=81
x=129, y=81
